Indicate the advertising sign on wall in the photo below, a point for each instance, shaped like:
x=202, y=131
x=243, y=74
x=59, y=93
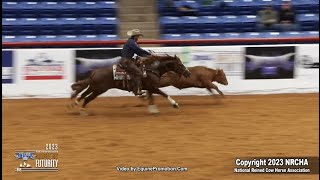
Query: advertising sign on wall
x=270, y=62
x=50, y=72
x=42, y=65
x=88, y=60
x=308, y=56
x=7, y=67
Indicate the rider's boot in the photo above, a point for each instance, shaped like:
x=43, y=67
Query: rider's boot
x=138, y=89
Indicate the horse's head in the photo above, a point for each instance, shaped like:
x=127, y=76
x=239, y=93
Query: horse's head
x=173, y=63
x=220, y=77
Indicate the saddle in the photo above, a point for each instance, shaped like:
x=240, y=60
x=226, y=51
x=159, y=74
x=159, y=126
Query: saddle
x=119, y=73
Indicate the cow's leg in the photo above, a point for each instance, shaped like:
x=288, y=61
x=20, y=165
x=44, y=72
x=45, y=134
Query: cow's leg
x=211, y=86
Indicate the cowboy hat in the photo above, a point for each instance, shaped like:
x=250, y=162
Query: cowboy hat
x=134, y=32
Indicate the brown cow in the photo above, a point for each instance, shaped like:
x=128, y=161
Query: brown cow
x=202, y=77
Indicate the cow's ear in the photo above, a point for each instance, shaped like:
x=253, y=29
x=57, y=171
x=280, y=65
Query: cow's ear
x=217, y=72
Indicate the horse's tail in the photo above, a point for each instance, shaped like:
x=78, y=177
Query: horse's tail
x=82, y=84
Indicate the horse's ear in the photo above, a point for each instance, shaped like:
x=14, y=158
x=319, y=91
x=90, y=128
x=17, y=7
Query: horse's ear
x=175, y=56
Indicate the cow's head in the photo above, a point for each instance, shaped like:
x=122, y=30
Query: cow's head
x=220, y=77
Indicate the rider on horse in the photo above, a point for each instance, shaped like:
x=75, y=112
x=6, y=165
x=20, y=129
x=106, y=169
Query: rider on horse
x=129, y=49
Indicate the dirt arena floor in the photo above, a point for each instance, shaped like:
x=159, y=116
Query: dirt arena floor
x=201, y=135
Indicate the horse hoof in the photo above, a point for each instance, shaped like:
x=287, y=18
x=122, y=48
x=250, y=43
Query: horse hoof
x=153, y=109
x=139, y=105
x=143, y=97
x=176, y=105
x=72, y=110
x=84, y=113
x=70, y=106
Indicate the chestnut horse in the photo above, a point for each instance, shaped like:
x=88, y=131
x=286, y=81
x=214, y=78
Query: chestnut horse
x=102, y=79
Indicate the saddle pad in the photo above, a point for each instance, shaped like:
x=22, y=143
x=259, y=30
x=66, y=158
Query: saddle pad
x=119, y=73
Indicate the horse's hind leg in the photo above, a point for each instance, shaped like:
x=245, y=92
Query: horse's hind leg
x=74, y=101
x=87, y=100
x=83, y=95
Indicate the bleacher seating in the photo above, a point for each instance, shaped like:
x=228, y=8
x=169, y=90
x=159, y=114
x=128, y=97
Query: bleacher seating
x=89, y=20
x=248, y=35
x=58, y=20
x=233, y=19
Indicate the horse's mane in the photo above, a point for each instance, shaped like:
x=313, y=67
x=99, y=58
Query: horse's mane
x=163, y=58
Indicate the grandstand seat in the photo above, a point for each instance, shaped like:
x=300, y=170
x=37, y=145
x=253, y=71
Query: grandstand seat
x=209, y=10
x=191, y=24
x=231, y=23
x=172, y=36
x=309, y=22
x=194, y=5
x=170, y=24
x=192, y=36
x=261, y=4
x=212, y=36
x=211, y=24
x=290, y=34
x=306, y=6
x=248, y=22
x=310, y=34
x=243, y=7
x=47, y=38
x=232, y=35
x=26, y=38
x=251, y=35
x=107, y=37
x=67, y=38
x=271, y=34
x=9, y=38
x=227, y=8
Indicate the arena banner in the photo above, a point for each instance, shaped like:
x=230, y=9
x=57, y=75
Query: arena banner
x=7, y=67
x=74, y=64
x=308, y=56
x=270, y=62
x=230, y=59
x=90, y=59
x=42, y=65
x=41, y=72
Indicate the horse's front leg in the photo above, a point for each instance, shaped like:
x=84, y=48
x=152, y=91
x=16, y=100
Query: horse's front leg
x=153, y=109
x=172, y=101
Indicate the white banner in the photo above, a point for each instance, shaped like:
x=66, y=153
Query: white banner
x=50, y=72
x=42, y=72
